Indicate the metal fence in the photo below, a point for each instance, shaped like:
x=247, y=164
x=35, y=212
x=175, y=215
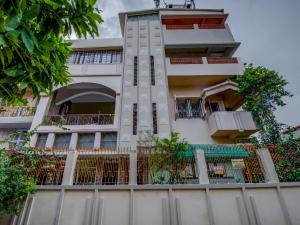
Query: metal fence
x=155, y=166
x=80, y=119
x=286, y=159
x=236, y=165
x=17, y=111
x=102, y=170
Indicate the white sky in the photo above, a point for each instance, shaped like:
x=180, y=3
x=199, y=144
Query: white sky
x=269, y=31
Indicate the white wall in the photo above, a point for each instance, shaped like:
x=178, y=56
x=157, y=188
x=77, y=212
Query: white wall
x=164, y=205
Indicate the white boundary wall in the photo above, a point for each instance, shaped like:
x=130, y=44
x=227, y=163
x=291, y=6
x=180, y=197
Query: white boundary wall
x=247, y=204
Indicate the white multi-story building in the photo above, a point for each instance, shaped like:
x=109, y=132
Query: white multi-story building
x=172, y=71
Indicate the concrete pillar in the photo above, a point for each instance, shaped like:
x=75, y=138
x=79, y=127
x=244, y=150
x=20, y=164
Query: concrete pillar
x=33, y=140
x=73, y=141
x=117, y=109
x=133, y=168
x=97, y=142
x=268, y=165
x=70, y=168
x=50, y=140
x=41, y=111
x=201, y=167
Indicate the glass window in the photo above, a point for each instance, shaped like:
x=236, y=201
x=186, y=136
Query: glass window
x=86, y=140
x=62, y=141
x=214, y=106
x=41, y=141
x=189, y=108
x=109, y=140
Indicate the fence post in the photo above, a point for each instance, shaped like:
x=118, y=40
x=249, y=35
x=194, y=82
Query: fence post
x=268, y=165
x=97, y=142
x=132, y=168
x=50, y=140
x=73, y=141
x=201, y=167
x=70, y=168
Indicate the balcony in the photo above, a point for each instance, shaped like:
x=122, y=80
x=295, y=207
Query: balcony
x=16, y=117
x=204, y=66
x=80, y=119
x=231, y=124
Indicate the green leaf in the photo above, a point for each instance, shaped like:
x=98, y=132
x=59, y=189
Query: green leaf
x=23, y=85
x=12, y=23
x=33, y=12
x=12, y=72
x=2, y=40
x=27, y=41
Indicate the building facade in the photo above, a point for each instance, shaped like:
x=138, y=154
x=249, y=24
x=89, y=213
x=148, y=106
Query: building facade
x=173, y=70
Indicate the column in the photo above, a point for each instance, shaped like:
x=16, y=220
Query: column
x=268, y=165
x=41, y=111
x=117, y=109
x=201, y=167
x=133, y=168
x=73, y=141
x=97, y=142
x=70, y=168
x=50, y=140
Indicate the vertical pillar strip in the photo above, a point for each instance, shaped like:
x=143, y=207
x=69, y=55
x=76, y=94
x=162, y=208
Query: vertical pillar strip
x=283, y=206
x=209, y=207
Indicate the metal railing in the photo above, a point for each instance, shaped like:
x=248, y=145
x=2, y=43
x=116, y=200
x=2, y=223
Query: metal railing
x=101, y=170
x=199, y=60
x=17, y=111
x=80, y=119
x=222, y=60
x=154, y=166
x=195, y=60
x=286, y=159
x=233, y=164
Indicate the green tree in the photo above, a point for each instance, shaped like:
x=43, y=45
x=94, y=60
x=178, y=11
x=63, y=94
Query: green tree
x=168, y=158
x=15, y=169
x=263, y=91
x=33, y=45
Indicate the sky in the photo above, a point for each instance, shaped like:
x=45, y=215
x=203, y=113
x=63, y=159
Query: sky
x=269, y=32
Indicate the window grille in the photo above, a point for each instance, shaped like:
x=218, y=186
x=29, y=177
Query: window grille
x=135, y=71
x=152, y=70
x=154, y=118
x=96, y=57
x=134, y=123
x=189, y=108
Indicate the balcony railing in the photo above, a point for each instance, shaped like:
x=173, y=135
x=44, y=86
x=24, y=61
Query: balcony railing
x=222, y=60
x=80, y=119
x=17, y=111
x=186, y=60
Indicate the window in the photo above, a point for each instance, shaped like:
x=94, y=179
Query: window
x=85, y=141
x=109, y=140
x=154, y=118
x=95, y=57
x=214, y=107
x=18, y=139
x=152, y=70
x=62, y=141
x=135, y=65
x=134, y=122
x=189, y=108
x=41, y=141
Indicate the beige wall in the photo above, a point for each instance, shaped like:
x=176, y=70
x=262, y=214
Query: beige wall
x=266, y=204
